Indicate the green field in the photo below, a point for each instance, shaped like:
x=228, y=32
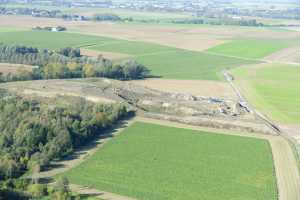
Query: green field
x=251, y=48
x=8, y=29
x=174, y=63
x=189, y=65
x=167, y=62
x=273, y=89
x=132, y=48
x=51, y=40
x=155, y=162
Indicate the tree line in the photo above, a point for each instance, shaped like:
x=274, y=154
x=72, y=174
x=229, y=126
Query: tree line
x=35, y=132
x=65, y=63
x=220, y=21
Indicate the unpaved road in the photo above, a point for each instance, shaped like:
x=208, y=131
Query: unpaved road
x=286, y=167
x=243, y=101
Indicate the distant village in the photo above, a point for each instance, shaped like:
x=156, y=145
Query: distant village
x=198, y=8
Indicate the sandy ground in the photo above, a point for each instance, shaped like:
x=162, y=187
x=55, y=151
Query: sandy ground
x=186, y=37
x=108, y=55
x=7, y=68
x=195, y=87
x=53, y=88
x=288, y=55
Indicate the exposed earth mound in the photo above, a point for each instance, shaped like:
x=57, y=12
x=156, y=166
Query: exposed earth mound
x=186, y=108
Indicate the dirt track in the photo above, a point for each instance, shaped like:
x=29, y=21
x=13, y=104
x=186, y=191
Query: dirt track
x=287, y=172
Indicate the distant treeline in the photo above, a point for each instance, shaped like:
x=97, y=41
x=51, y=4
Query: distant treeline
x=227, y=21
x=65, y=63
x=59, y=14
x=106, y=17
x=32, y=133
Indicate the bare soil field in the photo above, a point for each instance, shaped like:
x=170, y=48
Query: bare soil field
x=108, y=55
x=195, y=87
x=289, y=55
x=6, y=68
x=197, y=38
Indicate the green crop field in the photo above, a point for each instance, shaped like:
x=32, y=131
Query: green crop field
x=189, y=65
x=174, y=63
x=132, y=48
x=163, y=61
x=51, y=40
x=273, y=89
x=9, y=29
x=251, y=48
x=155, y=162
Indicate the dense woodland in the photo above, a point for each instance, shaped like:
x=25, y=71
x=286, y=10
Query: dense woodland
x=65, y=63
x=32, y=132
x=35, y=132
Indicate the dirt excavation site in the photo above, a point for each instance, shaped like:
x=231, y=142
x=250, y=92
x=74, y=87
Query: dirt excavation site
x=207, y=111
x=219, y=113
